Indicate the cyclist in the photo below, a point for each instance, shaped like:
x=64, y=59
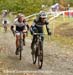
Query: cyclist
x=5, y=25
x=37, y=27
x=21, y=25
x=4, y=19
x=4, y=13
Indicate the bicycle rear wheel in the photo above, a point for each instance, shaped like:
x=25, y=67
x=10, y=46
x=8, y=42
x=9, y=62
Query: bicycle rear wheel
x=20, y=49
x=40, y=55
x=20, y=55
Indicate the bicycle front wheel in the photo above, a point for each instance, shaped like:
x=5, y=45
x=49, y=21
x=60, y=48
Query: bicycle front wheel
x=40, y=55
x=20, y=54
x=20, y=49
x=34, y=54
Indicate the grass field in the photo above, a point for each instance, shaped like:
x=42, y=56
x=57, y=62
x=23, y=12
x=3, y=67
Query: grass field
x=62, y=29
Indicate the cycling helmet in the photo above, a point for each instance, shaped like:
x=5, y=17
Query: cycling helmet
x=42, y=15
x=20, y=15
x=5, y=11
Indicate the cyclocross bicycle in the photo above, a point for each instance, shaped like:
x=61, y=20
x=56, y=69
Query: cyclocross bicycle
x=37, y=54
x=20, y=48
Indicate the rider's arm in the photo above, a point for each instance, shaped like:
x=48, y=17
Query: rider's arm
x=26, y=23
x=27, y=26
x=12, y=27
x=32, y=28
x=47, y=28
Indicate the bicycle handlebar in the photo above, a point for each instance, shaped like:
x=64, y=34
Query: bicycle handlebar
x=21, y=32
x=39, y=33
x=13, y=31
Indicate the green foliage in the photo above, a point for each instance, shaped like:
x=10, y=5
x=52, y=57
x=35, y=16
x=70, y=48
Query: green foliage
x=70, y=2
x=25, y=6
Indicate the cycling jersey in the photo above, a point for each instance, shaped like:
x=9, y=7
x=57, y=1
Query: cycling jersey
x=20, y=26
x=37, y=24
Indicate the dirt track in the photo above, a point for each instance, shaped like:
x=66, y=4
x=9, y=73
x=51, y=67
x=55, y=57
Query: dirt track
x=58, y=58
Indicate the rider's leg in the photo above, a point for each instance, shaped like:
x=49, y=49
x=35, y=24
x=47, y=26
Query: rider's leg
x=33, y=41
x=32, y=44
x=6, y=28
x=34, y=37
x=5, y=25
x=24, y=39
x=42, y=38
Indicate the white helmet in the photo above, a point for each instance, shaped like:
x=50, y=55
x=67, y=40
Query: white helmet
x=5, y=11
x=20, y=15
x=43, y=14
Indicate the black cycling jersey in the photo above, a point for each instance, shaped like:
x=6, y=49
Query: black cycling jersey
x=20, y=28
x=37, y=24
